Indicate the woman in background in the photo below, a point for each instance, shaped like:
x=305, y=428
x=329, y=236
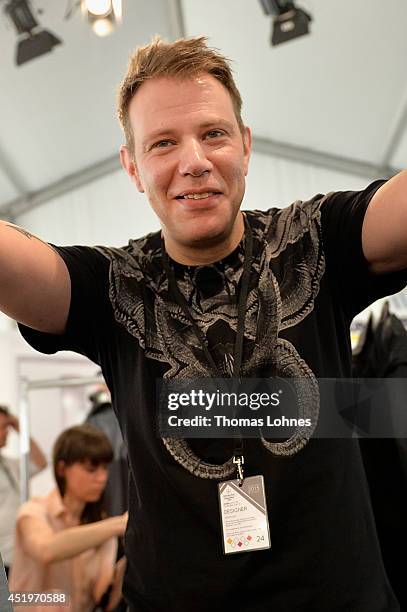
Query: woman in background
x=63, y=542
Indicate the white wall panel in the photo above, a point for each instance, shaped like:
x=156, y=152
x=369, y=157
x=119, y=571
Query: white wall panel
x=278, y=182
x=8, y=190
x=399, y=159
x=106, y=211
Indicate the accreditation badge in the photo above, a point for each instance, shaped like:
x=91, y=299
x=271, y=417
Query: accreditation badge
x=243, y=513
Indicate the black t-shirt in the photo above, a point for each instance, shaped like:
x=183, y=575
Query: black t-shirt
x=308, y=280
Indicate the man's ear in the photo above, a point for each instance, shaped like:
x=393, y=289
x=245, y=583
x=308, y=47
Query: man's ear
x=247, y=147
x=129, y=165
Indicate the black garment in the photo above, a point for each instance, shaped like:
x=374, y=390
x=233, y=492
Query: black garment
x=115, y=494
x=309, y=278
x=5, y=605
x=383, y=354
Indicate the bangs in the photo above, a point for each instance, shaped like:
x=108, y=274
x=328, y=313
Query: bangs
x=97, y=454
x=81, y=444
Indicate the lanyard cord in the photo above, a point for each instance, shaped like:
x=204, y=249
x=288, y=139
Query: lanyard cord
x=241, y=312
x=184, y=305
x=241, y=315
x=244, y=289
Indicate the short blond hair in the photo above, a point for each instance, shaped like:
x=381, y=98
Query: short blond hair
x=183, y=58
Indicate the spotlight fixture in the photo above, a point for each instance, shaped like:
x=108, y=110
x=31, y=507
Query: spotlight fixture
x=103, y=15
x=33, y=41
x=289, y=21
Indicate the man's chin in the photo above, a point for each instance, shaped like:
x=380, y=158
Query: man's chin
x=209, y=232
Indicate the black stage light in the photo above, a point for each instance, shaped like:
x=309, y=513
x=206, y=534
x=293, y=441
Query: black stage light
x=33, y=41
x=289, y=21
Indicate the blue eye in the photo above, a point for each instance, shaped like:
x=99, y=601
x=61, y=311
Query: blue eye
x=162, y=144
x=214, y=133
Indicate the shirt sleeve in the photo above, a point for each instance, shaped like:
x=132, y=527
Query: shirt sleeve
x=90, y=312
x=13, y=464
x=33, y=509
x=342, y=215
x=14, y=467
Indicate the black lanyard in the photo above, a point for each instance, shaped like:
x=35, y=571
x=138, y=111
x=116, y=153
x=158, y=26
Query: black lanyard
x=238, y=347
x=241, y=314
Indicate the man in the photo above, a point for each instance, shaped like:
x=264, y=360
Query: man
x=171, y=305
x=10, y=484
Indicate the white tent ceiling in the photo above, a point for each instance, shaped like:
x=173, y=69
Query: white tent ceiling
x=337, y=97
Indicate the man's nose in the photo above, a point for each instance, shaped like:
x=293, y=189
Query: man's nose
x=193, y=159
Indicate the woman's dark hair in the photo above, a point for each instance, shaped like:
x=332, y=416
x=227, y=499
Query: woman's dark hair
x=82, y=444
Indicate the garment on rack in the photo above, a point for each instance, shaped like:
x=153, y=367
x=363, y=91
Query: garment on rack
x=382, y=353
x=115, y=495
x=5, y=605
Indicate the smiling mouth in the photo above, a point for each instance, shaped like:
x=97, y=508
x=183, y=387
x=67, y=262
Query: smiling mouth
x=198, y=196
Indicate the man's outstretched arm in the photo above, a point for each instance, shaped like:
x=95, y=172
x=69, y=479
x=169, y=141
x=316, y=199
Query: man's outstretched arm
x=35, y=287
x=384, y=232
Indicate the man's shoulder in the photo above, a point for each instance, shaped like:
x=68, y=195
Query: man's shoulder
x=135, y=248
x=98, y=263
x=279, y=227
x=138, y=254
x=309, y=208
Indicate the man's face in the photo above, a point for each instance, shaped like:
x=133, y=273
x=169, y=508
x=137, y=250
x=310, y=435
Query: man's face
x=4, y=427
x=188, y=143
